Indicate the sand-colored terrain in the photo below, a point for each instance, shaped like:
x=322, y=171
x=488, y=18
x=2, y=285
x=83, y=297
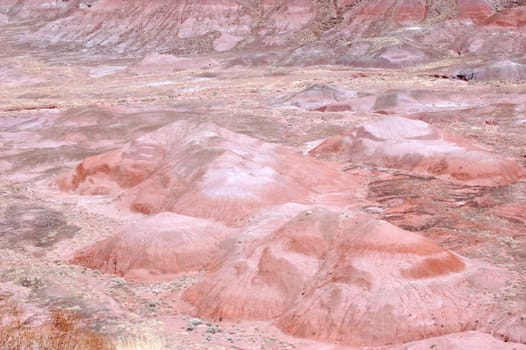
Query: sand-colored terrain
x=267, y=174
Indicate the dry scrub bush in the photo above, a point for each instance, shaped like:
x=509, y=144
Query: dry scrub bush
x=62, y=332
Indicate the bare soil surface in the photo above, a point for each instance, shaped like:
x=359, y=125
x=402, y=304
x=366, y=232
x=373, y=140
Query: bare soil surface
x=268, y=174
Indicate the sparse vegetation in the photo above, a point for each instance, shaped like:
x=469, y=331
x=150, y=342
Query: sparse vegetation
x=143, y=342
x=63, y=331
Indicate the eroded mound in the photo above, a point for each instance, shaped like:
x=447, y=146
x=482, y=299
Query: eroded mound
x=205, y=171
x=267, y=275
x=233, y=228
x=158, y=63
x=157, y=248
x=137, y=27
x=416, y=146
x=497, y=37
x=104, y=125
x=391, y=56
x=336, y=277
x=463, y=341
x=322, y=98
x=397, y=101
x=513, y=17
x=508, y=70
x=385, y=284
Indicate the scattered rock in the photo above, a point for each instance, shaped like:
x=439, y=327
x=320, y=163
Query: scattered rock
x=194, y=323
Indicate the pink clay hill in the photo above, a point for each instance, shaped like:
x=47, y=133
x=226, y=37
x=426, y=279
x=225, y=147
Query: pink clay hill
x=265, y=174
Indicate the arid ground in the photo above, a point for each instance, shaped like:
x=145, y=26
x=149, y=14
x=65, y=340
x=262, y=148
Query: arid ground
x=266, y=174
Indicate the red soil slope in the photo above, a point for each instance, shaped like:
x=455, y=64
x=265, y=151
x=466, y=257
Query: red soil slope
x=338, y=278
x=416, y=146
x=204, y=171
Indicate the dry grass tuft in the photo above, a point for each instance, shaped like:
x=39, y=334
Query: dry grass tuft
x=140, y=343
x=63, y=332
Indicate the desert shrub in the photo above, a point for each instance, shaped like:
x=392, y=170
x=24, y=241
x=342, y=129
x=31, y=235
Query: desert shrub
x=63, y=331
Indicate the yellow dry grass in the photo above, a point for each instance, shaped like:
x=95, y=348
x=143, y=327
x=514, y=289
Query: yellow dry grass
x=144, y=342
x=63, y=331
